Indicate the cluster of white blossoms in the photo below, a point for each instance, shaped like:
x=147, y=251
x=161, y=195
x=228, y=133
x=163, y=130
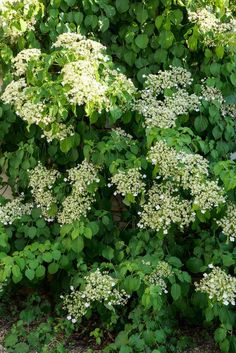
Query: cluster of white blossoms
x=14, y=93
x=163, y=113
x=129, y=182
x=190, y=171
x=181, y=167
x=228, y=222
x=18, y=17
x=83, y=48
x=121, y=133
x=206, y=195
x=164, y=207
x=18, y=94
x=180, y=170
x=175, y=77
x=218, y=285
x=13, y=210
x=89, y=86
x=85, y=88
x=41, y=181
x=99, y=287
x=228, y=110
x=78, y=203
x=211, y=94
x=20, y=62
x=163, y=270
x=83, y=78
x=212, y=28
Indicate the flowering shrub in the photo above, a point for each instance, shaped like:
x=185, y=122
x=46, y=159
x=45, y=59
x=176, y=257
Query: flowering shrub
x=117, y=122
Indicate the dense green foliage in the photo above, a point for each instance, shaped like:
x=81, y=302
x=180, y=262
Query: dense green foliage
x=116, y=143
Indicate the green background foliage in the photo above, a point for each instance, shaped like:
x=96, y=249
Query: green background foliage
x=142, y=37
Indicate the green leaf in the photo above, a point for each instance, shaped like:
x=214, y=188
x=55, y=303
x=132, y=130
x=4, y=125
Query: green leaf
x=220, y=334
x=194, y=264
x=47, y=257
x=224, y=346
x=175, y=291
x=53, y=268
x=200, y=123
x=70, y=2
x=88, y=233
x=21, y=348
x=94, y=227
x=30, y=274
x=10, y=340
x=103, y=23
x=122, y=5
x=228, y=260
x=108, y=252
x=233, y=78
x=141, y=13
x=216, y=132
x=40, y=271
x=132, y=284
x=141, y=41
x=78, y=17
x=174, y=261
x=77, y=245
x=17, y=276
x=166, y=39
x=160, y=336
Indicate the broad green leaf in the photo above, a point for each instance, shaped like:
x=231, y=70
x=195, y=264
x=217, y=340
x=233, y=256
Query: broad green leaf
x=141, y=41
x=53, y=268
x=122, y=5
x=30, y=273
x=175, y=291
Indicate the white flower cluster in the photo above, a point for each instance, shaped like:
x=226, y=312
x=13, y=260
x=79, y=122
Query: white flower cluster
x=82, y=79
x=212, y=28
x=18, y=17
x=181, y=167
x=41, y=181
x=228, y=222
x=218, y=286
x=121, y=133
x=206, y=195
x=85, y=88
x=175, y=77
x=21, y=61
x=78, y=203
x=100, y=287
x=83, y=48
x=119, y=87
x=165, y=207
x=95, y=88
x=163, y=113
x=128, y=182
x=17, y=94
x=59, y=131
x=228, y=110
x=14, y=93
x=13, y=210
x=211, y=94
x=190, y=171
x=163, y=270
